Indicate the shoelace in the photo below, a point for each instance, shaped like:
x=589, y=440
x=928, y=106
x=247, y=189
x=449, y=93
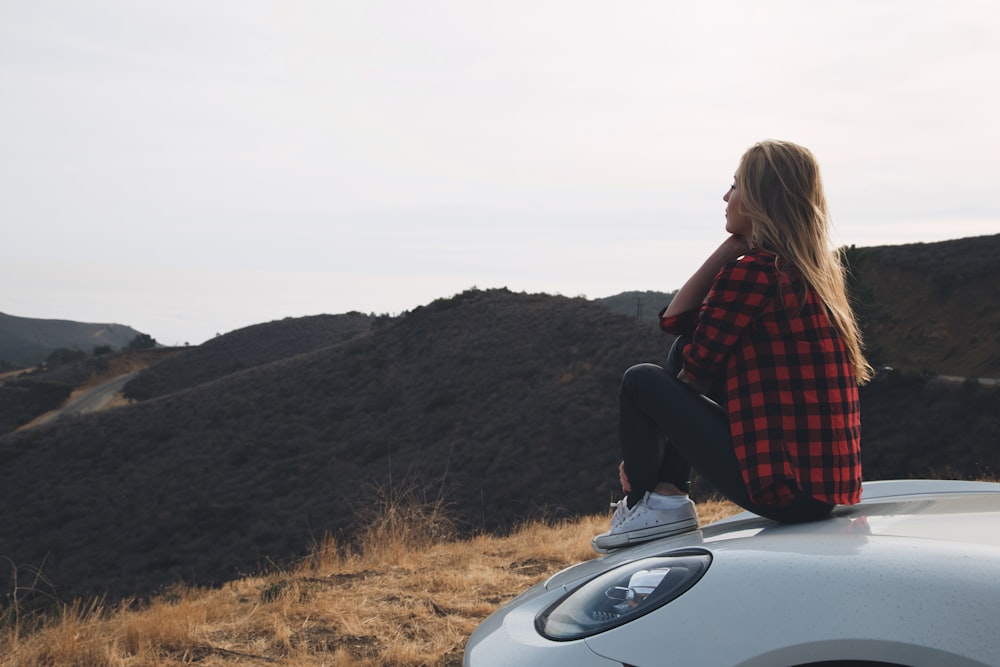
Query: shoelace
x=621, y=511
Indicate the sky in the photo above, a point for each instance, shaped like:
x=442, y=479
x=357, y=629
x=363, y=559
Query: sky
x=192, y=167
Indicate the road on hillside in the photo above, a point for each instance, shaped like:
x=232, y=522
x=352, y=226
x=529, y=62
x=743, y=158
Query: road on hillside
x=990, y=382
x=90, y=400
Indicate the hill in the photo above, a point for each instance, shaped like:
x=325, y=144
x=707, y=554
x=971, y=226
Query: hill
x=932, y=307
x=245, y=348
x=501, y=405
x=26, y=341
x=27, y=395
x=644, y=305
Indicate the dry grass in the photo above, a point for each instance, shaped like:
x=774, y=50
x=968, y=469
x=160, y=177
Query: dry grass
x=409, y=595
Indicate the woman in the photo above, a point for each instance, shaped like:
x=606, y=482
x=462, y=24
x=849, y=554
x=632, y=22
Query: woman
x=766, y=331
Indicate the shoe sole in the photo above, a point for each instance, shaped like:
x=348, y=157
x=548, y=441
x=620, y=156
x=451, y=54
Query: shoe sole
x=621, y=540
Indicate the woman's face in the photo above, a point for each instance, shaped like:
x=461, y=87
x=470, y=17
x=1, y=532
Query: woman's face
x=736, y=221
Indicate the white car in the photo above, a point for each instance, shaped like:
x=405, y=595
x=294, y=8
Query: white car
x=908, y=577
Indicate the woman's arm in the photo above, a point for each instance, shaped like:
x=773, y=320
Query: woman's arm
x=742, y=293
x=692, y=294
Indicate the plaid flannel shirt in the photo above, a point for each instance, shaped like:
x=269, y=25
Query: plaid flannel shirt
x=791, y=392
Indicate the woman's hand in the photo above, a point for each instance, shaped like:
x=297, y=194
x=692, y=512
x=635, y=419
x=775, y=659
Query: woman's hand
x=623, y=478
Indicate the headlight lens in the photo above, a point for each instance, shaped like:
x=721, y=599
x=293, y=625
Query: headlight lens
x=622, y=595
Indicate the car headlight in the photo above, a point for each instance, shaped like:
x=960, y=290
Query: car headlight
x=622, y=594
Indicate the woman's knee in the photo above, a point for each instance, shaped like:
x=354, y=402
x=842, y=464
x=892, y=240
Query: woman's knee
x=640, y=371
x=642, y=376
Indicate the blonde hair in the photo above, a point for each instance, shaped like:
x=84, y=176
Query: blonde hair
x=781, y=192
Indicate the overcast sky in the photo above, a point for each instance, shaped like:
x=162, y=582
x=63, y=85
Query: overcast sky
x=190, y=167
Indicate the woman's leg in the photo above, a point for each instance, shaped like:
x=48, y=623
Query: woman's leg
x=650, y=459
x=654, y=404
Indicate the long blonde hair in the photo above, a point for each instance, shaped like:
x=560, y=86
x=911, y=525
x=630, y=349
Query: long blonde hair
x=781, y=192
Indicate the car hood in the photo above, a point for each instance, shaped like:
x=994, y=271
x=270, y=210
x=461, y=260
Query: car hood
x=951, y=511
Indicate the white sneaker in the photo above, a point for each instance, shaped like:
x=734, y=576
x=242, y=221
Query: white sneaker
x=642, y=523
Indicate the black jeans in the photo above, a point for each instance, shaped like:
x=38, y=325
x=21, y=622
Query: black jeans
x=666, y=428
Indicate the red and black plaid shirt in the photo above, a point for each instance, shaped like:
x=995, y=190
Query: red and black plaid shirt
x=791, y=392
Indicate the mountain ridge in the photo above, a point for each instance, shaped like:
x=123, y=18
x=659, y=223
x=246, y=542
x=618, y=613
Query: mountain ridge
x=25, y=341
x=501, y=404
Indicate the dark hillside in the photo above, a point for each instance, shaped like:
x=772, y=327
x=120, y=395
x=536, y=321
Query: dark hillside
x=245, y=348
x=914, y=426
x=932, y=307
x=503, y=403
